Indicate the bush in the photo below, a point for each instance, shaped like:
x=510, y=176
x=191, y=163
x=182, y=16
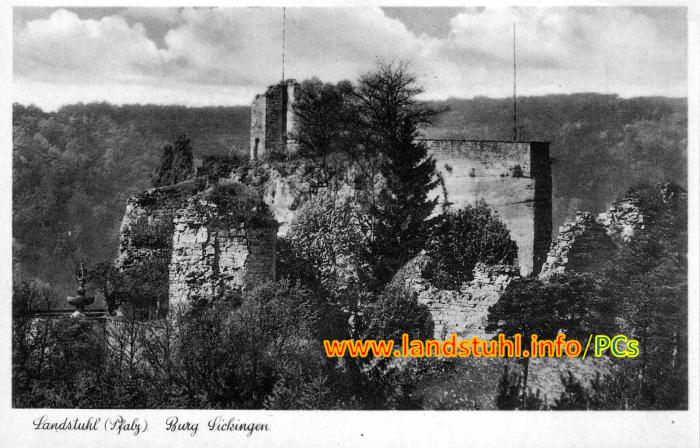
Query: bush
x=397, y=312
x=237, y=204
x=332, y=238
x=461, y=239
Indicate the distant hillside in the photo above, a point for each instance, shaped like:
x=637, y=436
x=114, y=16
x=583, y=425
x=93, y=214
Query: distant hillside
x=601, y=144
x=73, y=169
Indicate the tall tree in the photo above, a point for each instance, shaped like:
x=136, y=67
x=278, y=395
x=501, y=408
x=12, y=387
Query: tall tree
x=389, y=118
x=324, y=114
x=177, y=163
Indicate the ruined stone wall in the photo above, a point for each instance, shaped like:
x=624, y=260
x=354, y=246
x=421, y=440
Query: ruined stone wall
x=203, y=254
x=513, y=178
x=582, y=245
x=464, y=311
x=212, y=258
x=276, y=119
x=585, y=243
x=292, y=91
x=147, y=224
x=622, y=220
x=145, y=236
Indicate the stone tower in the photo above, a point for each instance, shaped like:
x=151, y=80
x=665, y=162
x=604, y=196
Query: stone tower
x=513, y=178
x=272, y=124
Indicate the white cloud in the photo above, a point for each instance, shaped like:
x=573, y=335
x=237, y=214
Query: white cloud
x=224, y=56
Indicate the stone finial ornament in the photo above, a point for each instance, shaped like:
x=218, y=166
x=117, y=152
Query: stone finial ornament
x=81, y=300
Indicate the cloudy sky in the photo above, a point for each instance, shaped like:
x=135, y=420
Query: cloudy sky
x=224, y=56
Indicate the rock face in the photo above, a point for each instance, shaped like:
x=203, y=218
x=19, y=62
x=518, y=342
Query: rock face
x=287, y=187
x=209, y=258
x=464, y=311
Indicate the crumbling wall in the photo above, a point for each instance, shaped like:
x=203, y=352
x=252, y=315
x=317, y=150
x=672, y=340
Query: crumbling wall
x=585, y=243
x=513, y=178
x=147, y=224
x=211, y=258
x=582, y=245
x=203, y=253
x=464, y=311
x=622, y=220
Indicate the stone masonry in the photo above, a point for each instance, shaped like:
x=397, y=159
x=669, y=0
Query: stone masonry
x=272, y=123
x=203, y=254
x=586, y=243
x=582, y=245
x=513, y=178
x=209, y=260
x=463, y=311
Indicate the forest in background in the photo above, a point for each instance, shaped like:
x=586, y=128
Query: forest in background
x=73, y=169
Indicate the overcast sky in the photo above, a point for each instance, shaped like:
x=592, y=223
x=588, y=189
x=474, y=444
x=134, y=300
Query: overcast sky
x=225, y=56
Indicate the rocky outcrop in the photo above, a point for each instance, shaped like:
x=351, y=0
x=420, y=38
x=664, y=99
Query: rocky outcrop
x=463, y=311
x=287, y=186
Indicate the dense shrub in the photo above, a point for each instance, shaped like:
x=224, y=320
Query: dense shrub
x=56, y=362
x=396, y=312
x=332, y=237
x=238, y=204
x=460, y=239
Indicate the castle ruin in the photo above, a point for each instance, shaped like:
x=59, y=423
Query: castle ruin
x=272, y=123
x=513, y=178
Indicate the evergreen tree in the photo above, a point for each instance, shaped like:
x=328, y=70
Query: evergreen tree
x=389, y=121
x=177, y=163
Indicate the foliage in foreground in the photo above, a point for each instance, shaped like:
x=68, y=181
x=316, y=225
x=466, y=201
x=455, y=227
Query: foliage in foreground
x=641, y=293
x=262, y=350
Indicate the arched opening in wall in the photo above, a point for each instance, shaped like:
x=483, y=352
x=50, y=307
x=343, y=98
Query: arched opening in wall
x=255, y=149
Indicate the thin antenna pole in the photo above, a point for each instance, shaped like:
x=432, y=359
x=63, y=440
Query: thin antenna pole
x=515, y=104
x=284, y=36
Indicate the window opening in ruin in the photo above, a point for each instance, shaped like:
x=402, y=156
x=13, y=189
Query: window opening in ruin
x=255, y=149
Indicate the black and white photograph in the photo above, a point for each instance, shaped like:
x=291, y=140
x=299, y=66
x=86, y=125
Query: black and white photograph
x=215, y=214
